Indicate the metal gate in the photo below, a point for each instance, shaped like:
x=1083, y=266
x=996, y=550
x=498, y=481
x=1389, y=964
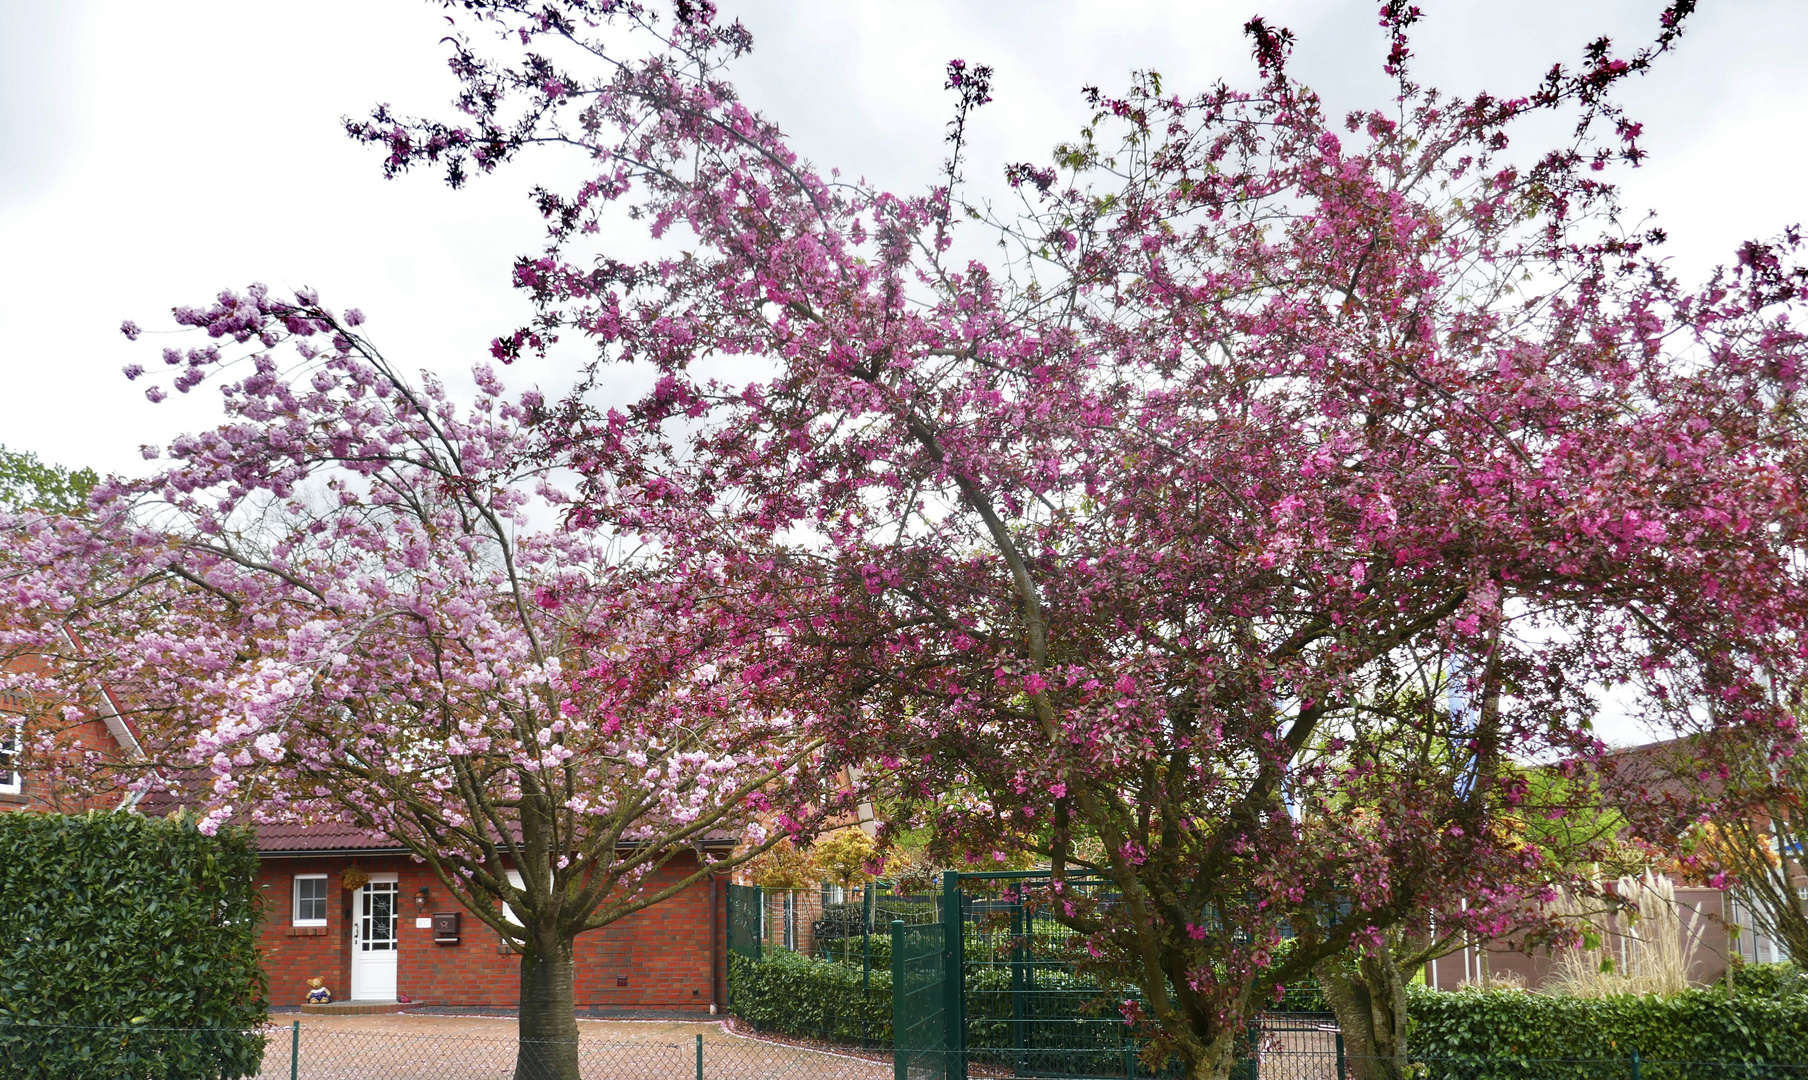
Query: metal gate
x=919, y=1002
x=1027, y=1009
x=745, y=929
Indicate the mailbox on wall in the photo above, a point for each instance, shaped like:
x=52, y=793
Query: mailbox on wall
x=445, y=928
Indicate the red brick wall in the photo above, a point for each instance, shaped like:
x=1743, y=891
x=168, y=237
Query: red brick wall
x=37, y=792
x=663, y=952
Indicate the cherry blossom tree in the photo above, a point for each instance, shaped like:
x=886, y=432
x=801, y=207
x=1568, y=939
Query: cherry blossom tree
x=1271, y=466
x=354, y=602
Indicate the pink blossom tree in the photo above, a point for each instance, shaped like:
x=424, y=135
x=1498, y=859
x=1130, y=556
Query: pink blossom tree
x=353, y=602
x=1178, y=527
x=1273, y=467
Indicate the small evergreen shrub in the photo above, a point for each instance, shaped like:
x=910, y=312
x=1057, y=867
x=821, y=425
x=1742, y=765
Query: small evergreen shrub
x=142, y=931
x=793, y=994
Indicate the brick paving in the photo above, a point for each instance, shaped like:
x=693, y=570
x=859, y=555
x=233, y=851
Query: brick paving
x=405, y=1046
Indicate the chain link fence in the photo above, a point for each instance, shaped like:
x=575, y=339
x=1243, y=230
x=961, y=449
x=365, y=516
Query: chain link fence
x=296, y=1052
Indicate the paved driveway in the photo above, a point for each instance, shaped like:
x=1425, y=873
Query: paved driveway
x=402, y=1046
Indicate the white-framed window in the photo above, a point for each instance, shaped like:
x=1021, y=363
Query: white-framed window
x=310, y=899
x=12, y=781
x=508, y=913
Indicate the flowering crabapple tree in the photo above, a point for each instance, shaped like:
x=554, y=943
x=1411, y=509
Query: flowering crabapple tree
x=337, y=606
x=1274, y=467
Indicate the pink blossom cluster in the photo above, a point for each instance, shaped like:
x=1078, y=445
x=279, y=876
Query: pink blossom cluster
x=1243, y=530
x=354, y=601
x=1239, y=535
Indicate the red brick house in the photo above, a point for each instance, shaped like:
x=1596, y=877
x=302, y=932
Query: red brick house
x=108, y=736
x=379, y=941
x=403, y=934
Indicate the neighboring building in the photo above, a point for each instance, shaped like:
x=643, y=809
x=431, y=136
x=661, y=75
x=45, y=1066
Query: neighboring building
x=108, y=736
x=1703, y=913
x=1716, y=929
x=380, y=940
x=376, y=941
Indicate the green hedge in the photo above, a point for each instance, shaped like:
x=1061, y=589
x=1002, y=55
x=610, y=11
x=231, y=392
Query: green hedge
x=140, y=930
x=1769, y=980
x=792, y=994
x=1698, y=1025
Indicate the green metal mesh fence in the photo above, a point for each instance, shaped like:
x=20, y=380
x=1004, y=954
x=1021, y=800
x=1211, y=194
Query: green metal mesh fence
x=920, y=1018
x=1026, y=1004
x=828, y=978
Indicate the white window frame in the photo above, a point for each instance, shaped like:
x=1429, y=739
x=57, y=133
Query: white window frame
x=12, y=779
x=295, y=918
x=508, y=913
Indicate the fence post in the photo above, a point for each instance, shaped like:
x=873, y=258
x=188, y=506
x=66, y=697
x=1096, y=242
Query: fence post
x=295, y=1047
x=1635, y=1065
x=866, y=941
x=1340, y=1060
x=759, y=918
x=699, y=1056
x=954, y=975
x=1017, y=955
x=900, y=1055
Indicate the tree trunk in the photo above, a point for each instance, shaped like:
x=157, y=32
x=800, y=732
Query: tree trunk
x=548, y=1046
x=1368, y=994
x=1216, y=1059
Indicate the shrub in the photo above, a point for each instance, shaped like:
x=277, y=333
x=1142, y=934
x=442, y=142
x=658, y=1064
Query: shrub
x=1769, y=980
x=792, y=994
x=145, y=928
x=1694, y=1025
x=797, y=995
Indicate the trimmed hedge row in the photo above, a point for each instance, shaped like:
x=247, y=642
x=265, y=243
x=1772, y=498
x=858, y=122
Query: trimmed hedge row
x=792, y=994
x=1770, y=980
x=1767, y=1022
x=1697, y=1025
x=143, y=927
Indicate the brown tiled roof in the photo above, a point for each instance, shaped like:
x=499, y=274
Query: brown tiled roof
x=273, y=839
x=330, y=836
x=335, y=836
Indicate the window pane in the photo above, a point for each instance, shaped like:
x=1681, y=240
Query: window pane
x=9, y=757
x=379, y=915
x=310, y=899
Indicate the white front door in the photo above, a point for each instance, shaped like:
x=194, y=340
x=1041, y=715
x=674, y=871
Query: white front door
x=374, y=909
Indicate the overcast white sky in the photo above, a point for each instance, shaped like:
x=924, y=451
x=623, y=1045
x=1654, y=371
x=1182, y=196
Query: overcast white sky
x=152, y=153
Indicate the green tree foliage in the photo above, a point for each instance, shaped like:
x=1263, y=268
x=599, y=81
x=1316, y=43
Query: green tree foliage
x=783, y=866
x=145, y=930
x=843, y=856
x=28, y=483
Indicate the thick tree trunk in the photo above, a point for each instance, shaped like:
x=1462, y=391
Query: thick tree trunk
x=1215, y=1059
x=548, y=1047
x=1368, y=994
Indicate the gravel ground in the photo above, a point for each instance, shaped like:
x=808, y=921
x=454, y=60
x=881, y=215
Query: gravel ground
x=403, y=1046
